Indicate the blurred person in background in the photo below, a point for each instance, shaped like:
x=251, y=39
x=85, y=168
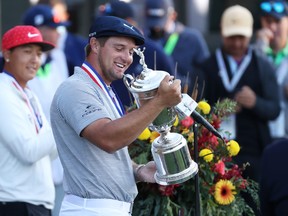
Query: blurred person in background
x=237, y=71
x=185, y=45
x=72, y=44
x=155, y=57
x=273, y=179
x=27, y=144
x=272, y=40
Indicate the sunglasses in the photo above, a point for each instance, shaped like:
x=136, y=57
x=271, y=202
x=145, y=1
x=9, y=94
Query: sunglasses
x=278, y=7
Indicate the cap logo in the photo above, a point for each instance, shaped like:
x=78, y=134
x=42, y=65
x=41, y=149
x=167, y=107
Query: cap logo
x=130, y=27
x=234, y=21
x=157, y=12
x=30, y=35
x=92, y=34
x=38, y=19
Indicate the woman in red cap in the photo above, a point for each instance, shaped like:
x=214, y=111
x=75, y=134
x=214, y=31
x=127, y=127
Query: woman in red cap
x=26, y=139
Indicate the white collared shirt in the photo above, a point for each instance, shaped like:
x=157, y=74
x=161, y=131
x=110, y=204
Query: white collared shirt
x=25, y=154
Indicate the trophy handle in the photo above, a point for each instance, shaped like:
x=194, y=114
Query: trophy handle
x=128, y=79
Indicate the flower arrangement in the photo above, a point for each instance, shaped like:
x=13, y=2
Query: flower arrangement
x=221, y=184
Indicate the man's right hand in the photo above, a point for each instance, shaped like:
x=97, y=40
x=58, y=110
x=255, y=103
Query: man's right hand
x=265, y=35
x=169, y=93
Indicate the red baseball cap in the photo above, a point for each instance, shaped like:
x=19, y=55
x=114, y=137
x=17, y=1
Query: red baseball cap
x=24, y=34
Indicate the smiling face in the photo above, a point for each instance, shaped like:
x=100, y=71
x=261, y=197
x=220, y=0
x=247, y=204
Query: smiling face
x=113, y=57
x=24, y=61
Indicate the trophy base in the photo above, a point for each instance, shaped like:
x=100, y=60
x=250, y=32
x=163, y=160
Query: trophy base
x=177, y=178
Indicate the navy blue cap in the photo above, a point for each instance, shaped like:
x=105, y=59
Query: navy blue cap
x=105, y=26
x=274, y=8
x=42, y=15
x=120, y=9
x=157, y=12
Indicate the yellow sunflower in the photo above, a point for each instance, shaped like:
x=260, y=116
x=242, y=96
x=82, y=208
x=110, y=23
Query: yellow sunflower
x=224, y=192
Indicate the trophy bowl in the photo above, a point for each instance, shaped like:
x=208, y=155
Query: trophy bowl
x=172, y=158
x=170, y=151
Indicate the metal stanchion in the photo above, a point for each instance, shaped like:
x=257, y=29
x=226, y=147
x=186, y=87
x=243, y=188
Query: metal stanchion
x=197, y=188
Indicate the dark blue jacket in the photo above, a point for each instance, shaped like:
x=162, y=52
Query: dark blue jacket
x=274, y=179
x=74, y=51
x=189, y=52
x=252, y=131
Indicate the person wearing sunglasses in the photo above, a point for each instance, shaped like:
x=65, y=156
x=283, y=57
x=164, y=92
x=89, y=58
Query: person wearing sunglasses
x=272, y=41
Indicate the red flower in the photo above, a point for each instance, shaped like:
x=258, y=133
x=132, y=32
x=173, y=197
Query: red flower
x=168, y=190
x=213, y=140
x=226, y=159
x=187, y=122
x=215, y=121
x=219, y=167
x=243, y=184
x=233, y=172
x=207, y=137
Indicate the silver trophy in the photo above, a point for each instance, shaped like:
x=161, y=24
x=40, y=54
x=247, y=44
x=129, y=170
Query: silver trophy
x=170, y=151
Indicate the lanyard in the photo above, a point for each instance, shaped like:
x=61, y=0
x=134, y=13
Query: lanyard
x=93, y=74
x=171, y=43
x=230, y=85
x=30, y=102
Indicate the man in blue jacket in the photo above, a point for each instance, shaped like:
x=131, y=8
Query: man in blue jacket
x=155, y=57
x=185, y=45
x=238, y=72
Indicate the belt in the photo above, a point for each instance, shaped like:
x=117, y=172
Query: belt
x=96, y=203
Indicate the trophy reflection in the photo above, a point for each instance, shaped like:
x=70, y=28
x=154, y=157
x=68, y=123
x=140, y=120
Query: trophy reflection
x=170, y=150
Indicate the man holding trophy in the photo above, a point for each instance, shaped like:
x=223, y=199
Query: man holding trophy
x=92, y=130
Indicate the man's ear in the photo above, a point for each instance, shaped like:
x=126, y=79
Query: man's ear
x=6, y=55
x=94, y=43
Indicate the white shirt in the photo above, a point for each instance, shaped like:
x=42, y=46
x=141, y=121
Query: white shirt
x=25, y=166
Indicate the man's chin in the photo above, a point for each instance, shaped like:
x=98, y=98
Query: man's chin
x=121, y=76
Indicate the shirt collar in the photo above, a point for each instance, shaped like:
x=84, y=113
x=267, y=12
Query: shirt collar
x=279, y=56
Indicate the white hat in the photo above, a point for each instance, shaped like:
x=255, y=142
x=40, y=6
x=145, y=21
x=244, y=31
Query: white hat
x=237, y=20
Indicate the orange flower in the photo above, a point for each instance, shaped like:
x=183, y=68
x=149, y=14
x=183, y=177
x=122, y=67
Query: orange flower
x=153, y=136
x=224, y=192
